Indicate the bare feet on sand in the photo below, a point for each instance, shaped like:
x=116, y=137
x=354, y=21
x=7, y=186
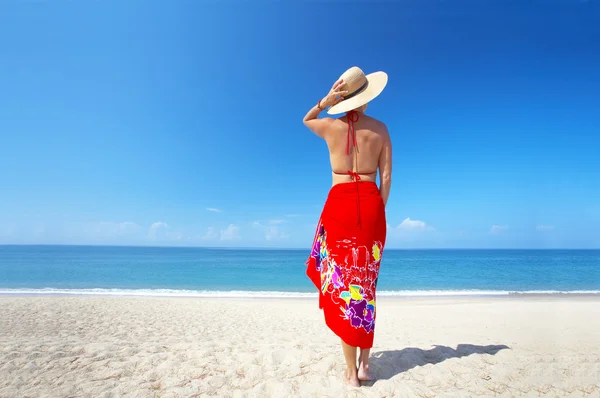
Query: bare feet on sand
x=351, y=378
x=364, y=374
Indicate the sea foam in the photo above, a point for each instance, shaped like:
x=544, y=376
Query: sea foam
x=279, y=294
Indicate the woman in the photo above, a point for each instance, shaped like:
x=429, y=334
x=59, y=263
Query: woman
x=350, y=236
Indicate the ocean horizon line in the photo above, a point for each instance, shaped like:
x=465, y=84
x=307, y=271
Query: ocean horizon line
x=266, y=248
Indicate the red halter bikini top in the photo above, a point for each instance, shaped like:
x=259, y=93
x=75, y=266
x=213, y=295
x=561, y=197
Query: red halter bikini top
x=352, y=118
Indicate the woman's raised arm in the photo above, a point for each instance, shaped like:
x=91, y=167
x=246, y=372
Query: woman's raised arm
x=311, y=119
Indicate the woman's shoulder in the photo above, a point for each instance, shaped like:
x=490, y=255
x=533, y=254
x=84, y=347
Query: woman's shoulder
x=379, y=125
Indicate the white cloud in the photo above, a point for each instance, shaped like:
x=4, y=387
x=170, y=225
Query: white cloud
x=544, y=227
x=272, y=231
x=413, y=225
x=230, y=233
x=159, y=224
x=411, y=231
x=292, y=215
x=498, y=228
x=158, y=230
x=214, y=210
x=211, y=234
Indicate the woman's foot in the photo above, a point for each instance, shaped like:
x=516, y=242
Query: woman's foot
x=364, y=374
x=351, y=378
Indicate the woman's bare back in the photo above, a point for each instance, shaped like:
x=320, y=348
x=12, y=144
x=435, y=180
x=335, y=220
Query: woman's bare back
x=371, y=138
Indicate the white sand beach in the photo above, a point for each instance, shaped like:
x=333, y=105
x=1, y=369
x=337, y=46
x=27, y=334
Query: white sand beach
x=52, y=346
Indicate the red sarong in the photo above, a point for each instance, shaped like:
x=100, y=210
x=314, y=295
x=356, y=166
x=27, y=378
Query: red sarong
x=345, y=258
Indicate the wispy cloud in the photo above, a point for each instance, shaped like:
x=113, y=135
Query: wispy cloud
x=109, y=229
x=211, y=234
x=292, y=215
x=271, y=230
x=214, y=210
x=123, y=232
x=128, y=225
x=544, y=227
x=230, y=233
x=498, y=228
x=276, y=222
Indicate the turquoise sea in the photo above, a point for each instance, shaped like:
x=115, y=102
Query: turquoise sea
x=281, y=273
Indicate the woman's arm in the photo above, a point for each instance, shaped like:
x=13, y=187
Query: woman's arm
x=385, y=168
x=311, y=119
x=316, y=125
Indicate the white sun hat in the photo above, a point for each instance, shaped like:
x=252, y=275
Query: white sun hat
x=361, y=89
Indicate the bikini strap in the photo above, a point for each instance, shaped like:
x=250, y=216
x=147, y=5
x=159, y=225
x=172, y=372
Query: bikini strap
x=352, y=118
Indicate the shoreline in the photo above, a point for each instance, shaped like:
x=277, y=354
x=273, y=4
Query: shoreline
x=288, y=295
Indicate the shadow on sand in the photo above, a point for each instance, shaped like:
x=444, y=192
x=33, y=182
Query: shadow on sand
x=387, y=364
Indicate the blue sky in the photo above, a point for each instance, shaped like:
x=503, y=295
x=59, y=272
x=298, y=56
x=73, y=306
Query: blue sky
x=180, y=123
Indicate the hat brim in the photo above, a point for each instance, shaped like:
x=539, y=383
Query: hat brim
x=377, y=82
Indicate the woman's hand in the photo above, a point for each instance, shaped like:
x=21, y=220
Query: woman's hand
x=321, y=126
x=335, y=95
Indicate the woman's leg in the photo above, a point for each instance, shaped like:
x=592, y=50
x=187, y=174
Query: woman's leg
x=363, y=365
x=351, y=371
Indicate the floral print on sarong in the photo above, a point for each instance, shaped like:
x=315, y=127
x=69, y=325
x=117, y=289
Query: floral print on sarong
x=347, y=283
